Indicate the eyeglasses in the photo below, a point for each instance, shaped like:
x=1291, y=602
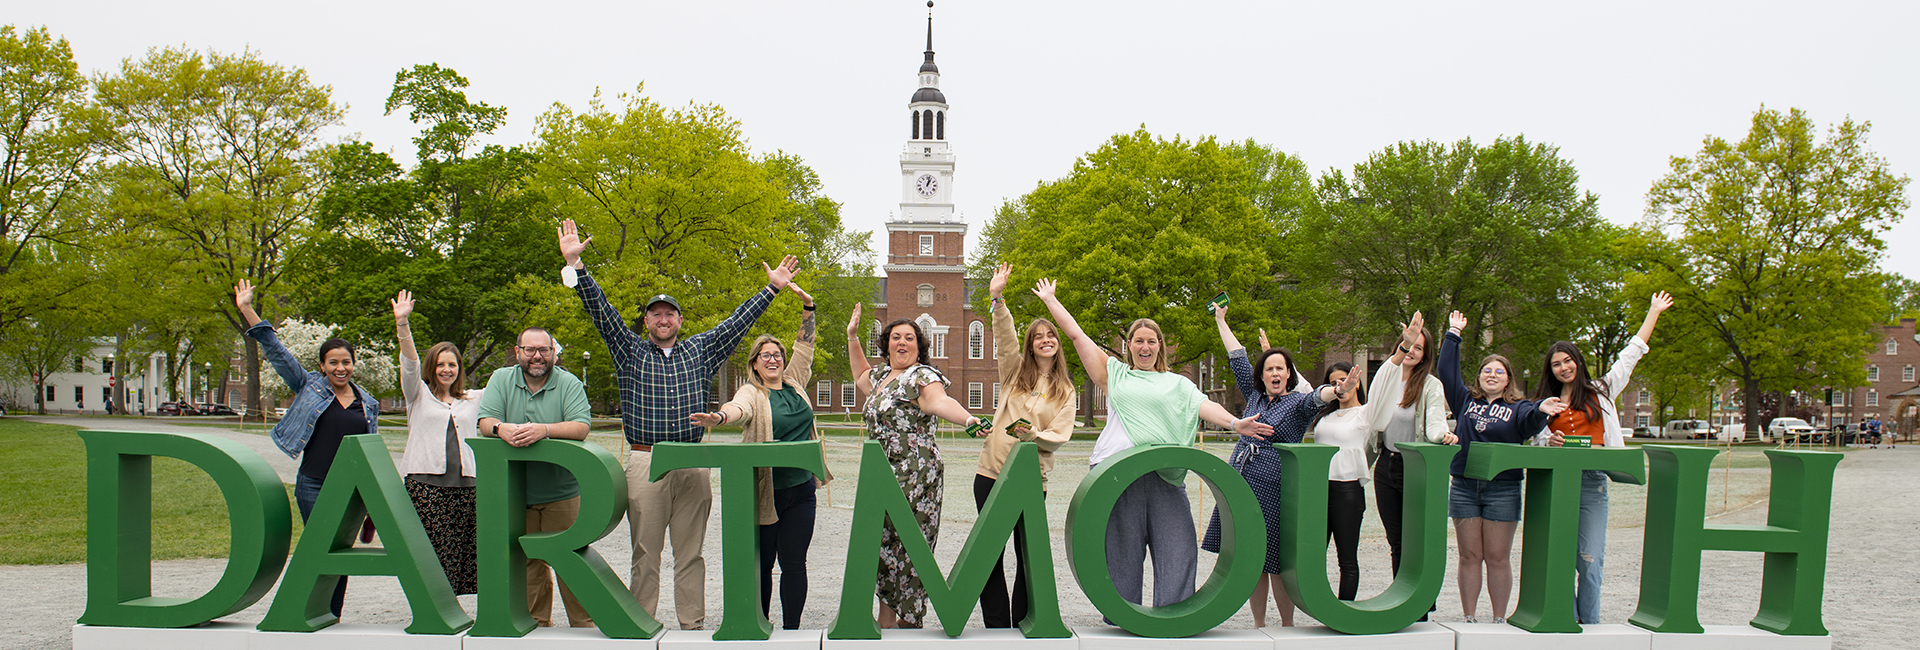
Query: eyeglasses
x=538, y=352
x=1493, y=371
x=770, y=356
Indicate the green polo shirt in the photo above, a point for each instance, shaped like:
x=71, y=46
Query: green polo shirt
x=562, y=399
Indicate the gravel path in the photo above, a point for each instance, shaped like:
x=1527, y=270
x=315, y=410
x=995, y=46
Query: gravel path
x=1870, y=599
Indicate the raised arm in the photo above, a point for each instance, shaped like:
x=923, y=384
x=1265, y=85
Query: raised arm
x=243, y=299
x=723, y=338
x=1092, y=357
x=410, y=383
x=1661, y=301
x=799, y=368
x=1008, y=346
x=282, y=361
x=1449, y=364
x=857, y=354
x=606, y=319
x=1226, y=333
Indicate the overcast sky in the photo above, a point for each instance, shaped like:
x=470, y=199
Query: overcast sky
x=1619, y=87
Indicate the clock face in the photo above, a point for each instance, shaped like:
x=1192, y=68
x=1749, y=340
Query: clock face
x=927, y=185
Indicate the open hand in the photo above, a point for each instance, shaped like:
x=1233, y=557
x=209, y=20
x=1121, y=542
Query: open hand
x=1552, y=406
x=402, y=306
x=780, y=276
x=1252, y=428
x=1661, y=301
x=997, y=287
x=805, y=298
x=1045, y=289
x=1264, y=345
x=853, y=324
x=243, y=294
x=1457, y=321
x=570, y=243
x=1411, y=335
x=706, y=419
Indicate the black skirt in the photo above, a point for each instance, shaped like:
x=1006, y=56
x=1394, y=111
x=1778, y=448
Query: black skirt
x=447, y=514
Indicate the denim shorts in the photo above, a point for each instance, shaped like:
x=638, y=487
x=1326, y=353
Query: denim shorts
x=1490, y=500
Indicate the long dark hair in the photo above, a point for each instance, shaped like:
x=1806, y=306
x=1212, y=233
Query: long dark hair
x=1294, y=378
x=880, y=340
x=334, y=344
x=1416, y=381
x=1585, y=396
x=1328, y=408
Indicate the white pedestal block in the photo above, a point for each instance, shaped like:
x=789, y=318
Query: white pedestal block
x=1419, y=636
x=218, y=635
x=558, y=638
x=703, y=640
x=355, y=637
x=1605, y=636
x=971, y=639
x=1113, y=638
x=1738, y=637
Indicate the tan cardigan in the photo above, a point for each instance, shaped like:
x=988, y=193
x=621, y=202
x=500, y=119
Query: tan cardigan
x=757, y=424
x=1052, y=426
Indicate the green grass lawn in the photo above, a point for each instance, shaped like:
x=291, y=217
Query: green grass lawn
x=43, y=520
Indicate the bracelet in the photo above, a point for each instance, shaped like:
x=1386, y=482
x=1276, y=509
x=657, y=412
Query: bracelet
x=806, y=307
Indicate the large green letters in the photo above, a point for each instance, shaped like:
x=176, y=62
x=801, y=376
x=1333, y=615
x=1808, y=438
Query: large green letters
x=1242, y=528
x=1017, y=500
x=120, y=528
x=504, y=546
x=1799, y=505
x=363, y=482
x=1550, y=534
x=740, y=615
x=1423, y=534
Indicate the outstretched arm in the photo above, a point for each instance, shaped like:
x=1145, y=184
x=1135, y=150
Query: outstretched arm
x=934, y=399
x=1250, y=427
x=612, y=327
x=1092, y=357
x=1661, y=301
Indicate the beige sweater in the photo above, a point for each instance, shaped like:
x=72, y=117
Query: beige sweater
x=757, y=425
x=1052, y=417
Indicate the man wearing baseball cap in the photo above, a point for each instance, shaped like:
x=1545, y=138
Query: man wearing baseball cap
x=663, y=380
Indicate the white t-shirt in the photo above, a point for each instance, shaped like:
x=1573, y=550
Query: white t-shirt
x=1347, y=429
x=1113, y=439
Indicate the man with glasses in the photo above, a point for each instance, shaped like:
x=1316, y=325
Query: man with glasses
x=664, y=380
x=524, y=404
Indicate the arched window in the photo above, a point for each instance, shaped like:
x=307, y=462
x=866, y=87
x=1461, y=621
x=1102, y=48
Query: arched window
x=926, y=123
x=926, y=295
x=873, y=338
x=940, y=119
x=976, y=340
x=916, y=125
x=1893, y=347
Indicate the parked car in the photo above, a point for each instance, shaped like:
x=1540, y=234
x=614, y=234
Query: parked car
x=1794, y=428
x=1847, y=434
x=214, y=409
x=177, y=408
x=1687, y=430
x=1644, y=432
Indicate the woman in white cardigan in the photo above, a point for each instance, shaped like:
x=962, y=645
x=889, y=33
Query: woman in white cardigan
x=439, y=468
x=1408, y=405
x=773, y=407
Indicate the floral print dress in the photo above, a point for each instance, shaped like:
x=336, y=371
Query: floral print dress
x=907, y=435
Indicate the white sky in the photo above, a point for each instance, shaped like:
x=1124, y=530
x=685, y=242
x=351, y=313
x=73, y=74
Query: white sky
x=1618, y=87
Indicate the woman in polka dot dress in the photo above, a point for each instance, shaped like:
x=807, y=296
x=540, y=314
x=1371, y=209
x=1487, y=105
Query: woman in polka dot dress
x=1270, y=396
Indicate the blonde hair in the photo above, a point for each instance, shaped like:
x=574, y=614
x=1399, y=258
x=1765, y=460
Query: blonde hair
x=1511, y=394
x=1027, y=376
x=753, y=354
x=1159, y=360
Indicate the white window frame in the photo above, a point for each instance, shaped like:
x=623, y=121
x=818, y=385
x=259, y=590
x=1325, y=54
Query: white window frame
x=1641, y=398
x=1893, y=347
x=1906, y=374
x=974, y=395
x=926, y=245
x=976, y=340
x=823, y=393
x=940, y=345
x=849, y=392
x=1640, y=420
x=1873, y=373
x=1873, y=397
x=996, y=395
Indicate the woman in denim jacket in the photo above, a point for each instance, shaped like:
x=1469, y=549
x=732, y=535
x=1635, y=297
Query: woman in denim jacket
x=327, y=407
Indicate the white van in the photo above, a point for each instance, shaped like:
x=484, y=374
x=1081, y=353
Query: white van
x=1687, y=430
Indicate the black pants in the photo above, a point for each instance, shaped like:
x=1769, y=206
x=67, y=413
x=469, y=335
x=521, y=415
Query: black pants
x=787, y=540
x=995, y=609
x=1346, y=504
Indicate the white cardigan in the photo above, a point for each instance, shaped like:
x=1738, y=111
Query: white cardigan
x=427, y=424
x=1616, y=380
x=1430, y=411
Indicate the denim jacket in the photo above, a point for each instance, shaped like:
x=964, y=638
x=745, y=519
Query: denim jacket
x=310, y=394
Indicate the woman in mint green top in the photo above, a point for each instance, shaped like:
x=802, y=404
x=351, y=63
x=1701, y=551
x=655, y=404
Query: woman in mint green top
x=1152, y=406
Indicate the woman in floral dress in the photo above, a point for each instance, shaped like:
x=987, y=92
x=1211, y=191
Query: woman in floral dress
x=906, y=397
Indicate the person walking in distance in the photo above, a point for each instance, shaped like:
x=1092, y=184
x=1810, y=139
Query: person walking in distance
x=664, y=379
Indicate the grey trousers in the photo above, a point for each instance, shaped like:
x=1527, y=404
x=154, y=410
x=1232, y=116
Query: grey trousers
x=1155, y=515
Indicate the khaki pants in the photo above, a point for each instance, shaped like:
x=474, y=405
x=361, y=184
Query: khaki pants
x=679, y=502
x=544, y=517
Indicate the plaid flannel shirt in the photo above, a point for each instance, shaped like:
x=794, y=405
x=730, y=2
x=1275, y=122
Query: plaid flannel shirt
x=659, y=391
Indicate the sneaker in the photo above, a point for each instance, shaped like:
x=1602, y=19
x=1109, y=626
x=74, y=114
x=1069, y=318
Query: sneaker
x=1499, y=620
x=1471, y=619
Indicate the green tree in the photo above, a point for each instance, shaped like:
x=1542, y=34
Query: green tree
x=457, y=230
x=677, y=203
x=36, y=348
x=1501, y=232
x=219, y=153
x=1152, y=227
x=1769, y=246
x=46, y=153
x=1902, y=295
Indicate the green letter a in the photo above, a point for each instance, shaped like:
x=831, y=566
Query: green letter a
x=363, y=483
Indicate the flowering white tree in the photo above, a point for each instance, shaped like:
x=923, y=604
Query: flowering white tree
x=374, y=368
